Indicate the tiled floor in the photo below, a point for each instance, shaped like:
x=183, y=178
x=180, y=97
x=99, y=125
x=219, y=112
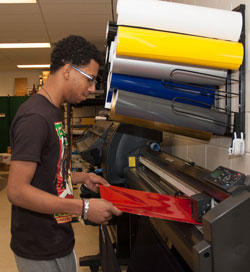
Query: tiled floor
x=86, y=237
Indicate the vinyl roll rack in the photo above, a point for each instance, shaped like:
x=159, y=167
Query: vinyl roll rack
x=229, y=97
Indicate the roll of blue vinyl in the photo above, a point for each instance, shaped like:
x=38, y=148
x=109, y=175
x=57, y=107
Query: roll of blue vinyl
x=190, y=94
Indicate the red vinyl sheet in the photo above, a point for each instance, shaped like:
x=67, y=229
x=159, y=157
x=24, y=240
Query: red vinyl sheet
x=149, y=204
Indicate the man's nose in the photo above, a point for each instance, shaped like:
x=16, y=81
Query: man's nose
x=91, y=88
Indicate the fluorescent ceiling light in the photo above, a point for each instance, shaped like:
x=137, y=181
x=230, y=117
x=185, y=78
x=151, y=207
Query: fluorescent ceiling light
x=24, y=45
x=17, y=1
x=34, y=66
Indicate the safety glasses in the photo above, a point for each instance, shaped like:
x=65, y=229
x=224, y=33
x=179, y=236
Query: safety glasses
x=91, y=79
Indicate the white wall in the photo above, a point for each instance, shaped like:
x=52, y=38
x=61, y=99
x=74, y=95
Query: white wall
x=7, y=80
x=215, y=152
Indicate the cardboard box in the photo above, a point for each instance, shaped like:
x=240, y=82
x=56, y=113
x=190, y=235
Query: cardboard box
x=5, y=158
x=87, y=121
x=21, y=86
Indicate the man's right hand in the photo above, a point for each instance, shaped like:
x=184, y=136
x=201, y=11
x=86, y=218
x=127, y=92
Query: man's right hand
x=101, y=211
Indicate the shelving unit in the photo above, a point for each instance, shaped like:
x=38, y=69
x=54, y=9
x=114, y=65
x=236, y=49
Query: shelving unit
x=68, y=122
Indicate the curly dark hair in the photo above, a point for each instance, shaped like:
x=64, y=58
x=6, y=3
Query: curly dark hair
x=73, y=50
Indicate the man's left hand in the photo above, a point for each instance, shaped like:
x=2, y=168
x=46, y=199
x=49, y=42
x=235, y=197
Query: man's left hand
x=91, y=180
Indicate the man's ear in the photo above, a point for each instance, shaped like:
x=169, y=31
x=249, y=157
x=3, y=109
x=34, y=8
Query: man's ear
x=66, y=71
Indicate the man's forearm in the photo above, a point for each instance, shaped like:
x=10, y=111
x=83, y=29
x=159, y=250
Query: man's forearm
x=31, y=198
x=78, y=177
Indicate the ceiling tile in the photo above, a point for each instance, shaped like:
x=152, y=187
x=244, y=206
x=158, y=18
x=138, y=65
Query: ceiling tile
x=101, y=28
x=24, y=9
x=10, y=58
x=73, y=1
x=50, y=21
x=77, y=18
x=31, y=28
x=28, y=56
x=72, y=9
x=20, y=18
x=23, y=36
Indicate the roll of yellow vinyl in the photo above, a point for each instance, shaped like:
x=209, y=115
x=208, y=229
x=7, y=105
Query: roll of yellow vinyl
x=178, y=48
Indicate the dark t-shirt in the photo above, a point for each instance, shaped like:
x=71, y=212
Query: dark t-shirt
x=37, y=135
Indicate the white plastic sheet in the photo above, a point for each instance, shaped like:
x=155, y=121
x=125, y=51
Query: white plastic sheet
x=180, y=18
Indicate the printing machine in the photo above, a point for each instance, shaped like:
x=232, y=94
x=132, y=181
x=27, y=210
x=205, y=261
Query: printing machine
x=220, y=200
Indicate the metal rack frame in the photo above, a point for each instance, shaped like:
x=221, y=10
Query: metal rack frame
x=239, y=118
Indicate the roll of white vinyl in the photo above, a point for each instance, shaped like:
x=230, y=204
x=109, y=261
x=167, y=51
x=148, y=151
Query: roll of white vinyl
x=180, y=18
x=172, y=72
x=120, y=5
x=111, y=51
x=109, y=93
x=107, y=54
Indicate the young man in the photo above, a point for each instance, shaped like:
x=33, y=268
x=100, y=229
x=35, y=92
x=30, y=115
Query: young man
x=39, y=185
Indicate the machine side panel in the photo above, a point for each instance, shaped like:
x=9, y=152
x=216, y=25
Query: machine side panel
x=226, y=227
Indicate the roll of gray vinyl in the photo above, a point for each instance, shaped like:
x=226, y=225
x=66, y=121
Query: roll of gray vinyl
x=169, y=112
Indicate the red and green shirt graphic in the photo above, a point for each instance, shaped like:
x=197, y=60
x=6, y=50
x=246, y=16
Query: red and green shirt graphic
x=63, y=180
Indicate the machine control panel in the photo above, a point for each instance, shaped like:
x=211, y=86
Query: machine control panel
x=225, y=178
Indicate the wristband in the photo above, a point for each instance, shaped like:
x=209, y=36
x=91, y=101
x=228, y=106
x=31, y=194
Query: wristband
x=85, y=208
